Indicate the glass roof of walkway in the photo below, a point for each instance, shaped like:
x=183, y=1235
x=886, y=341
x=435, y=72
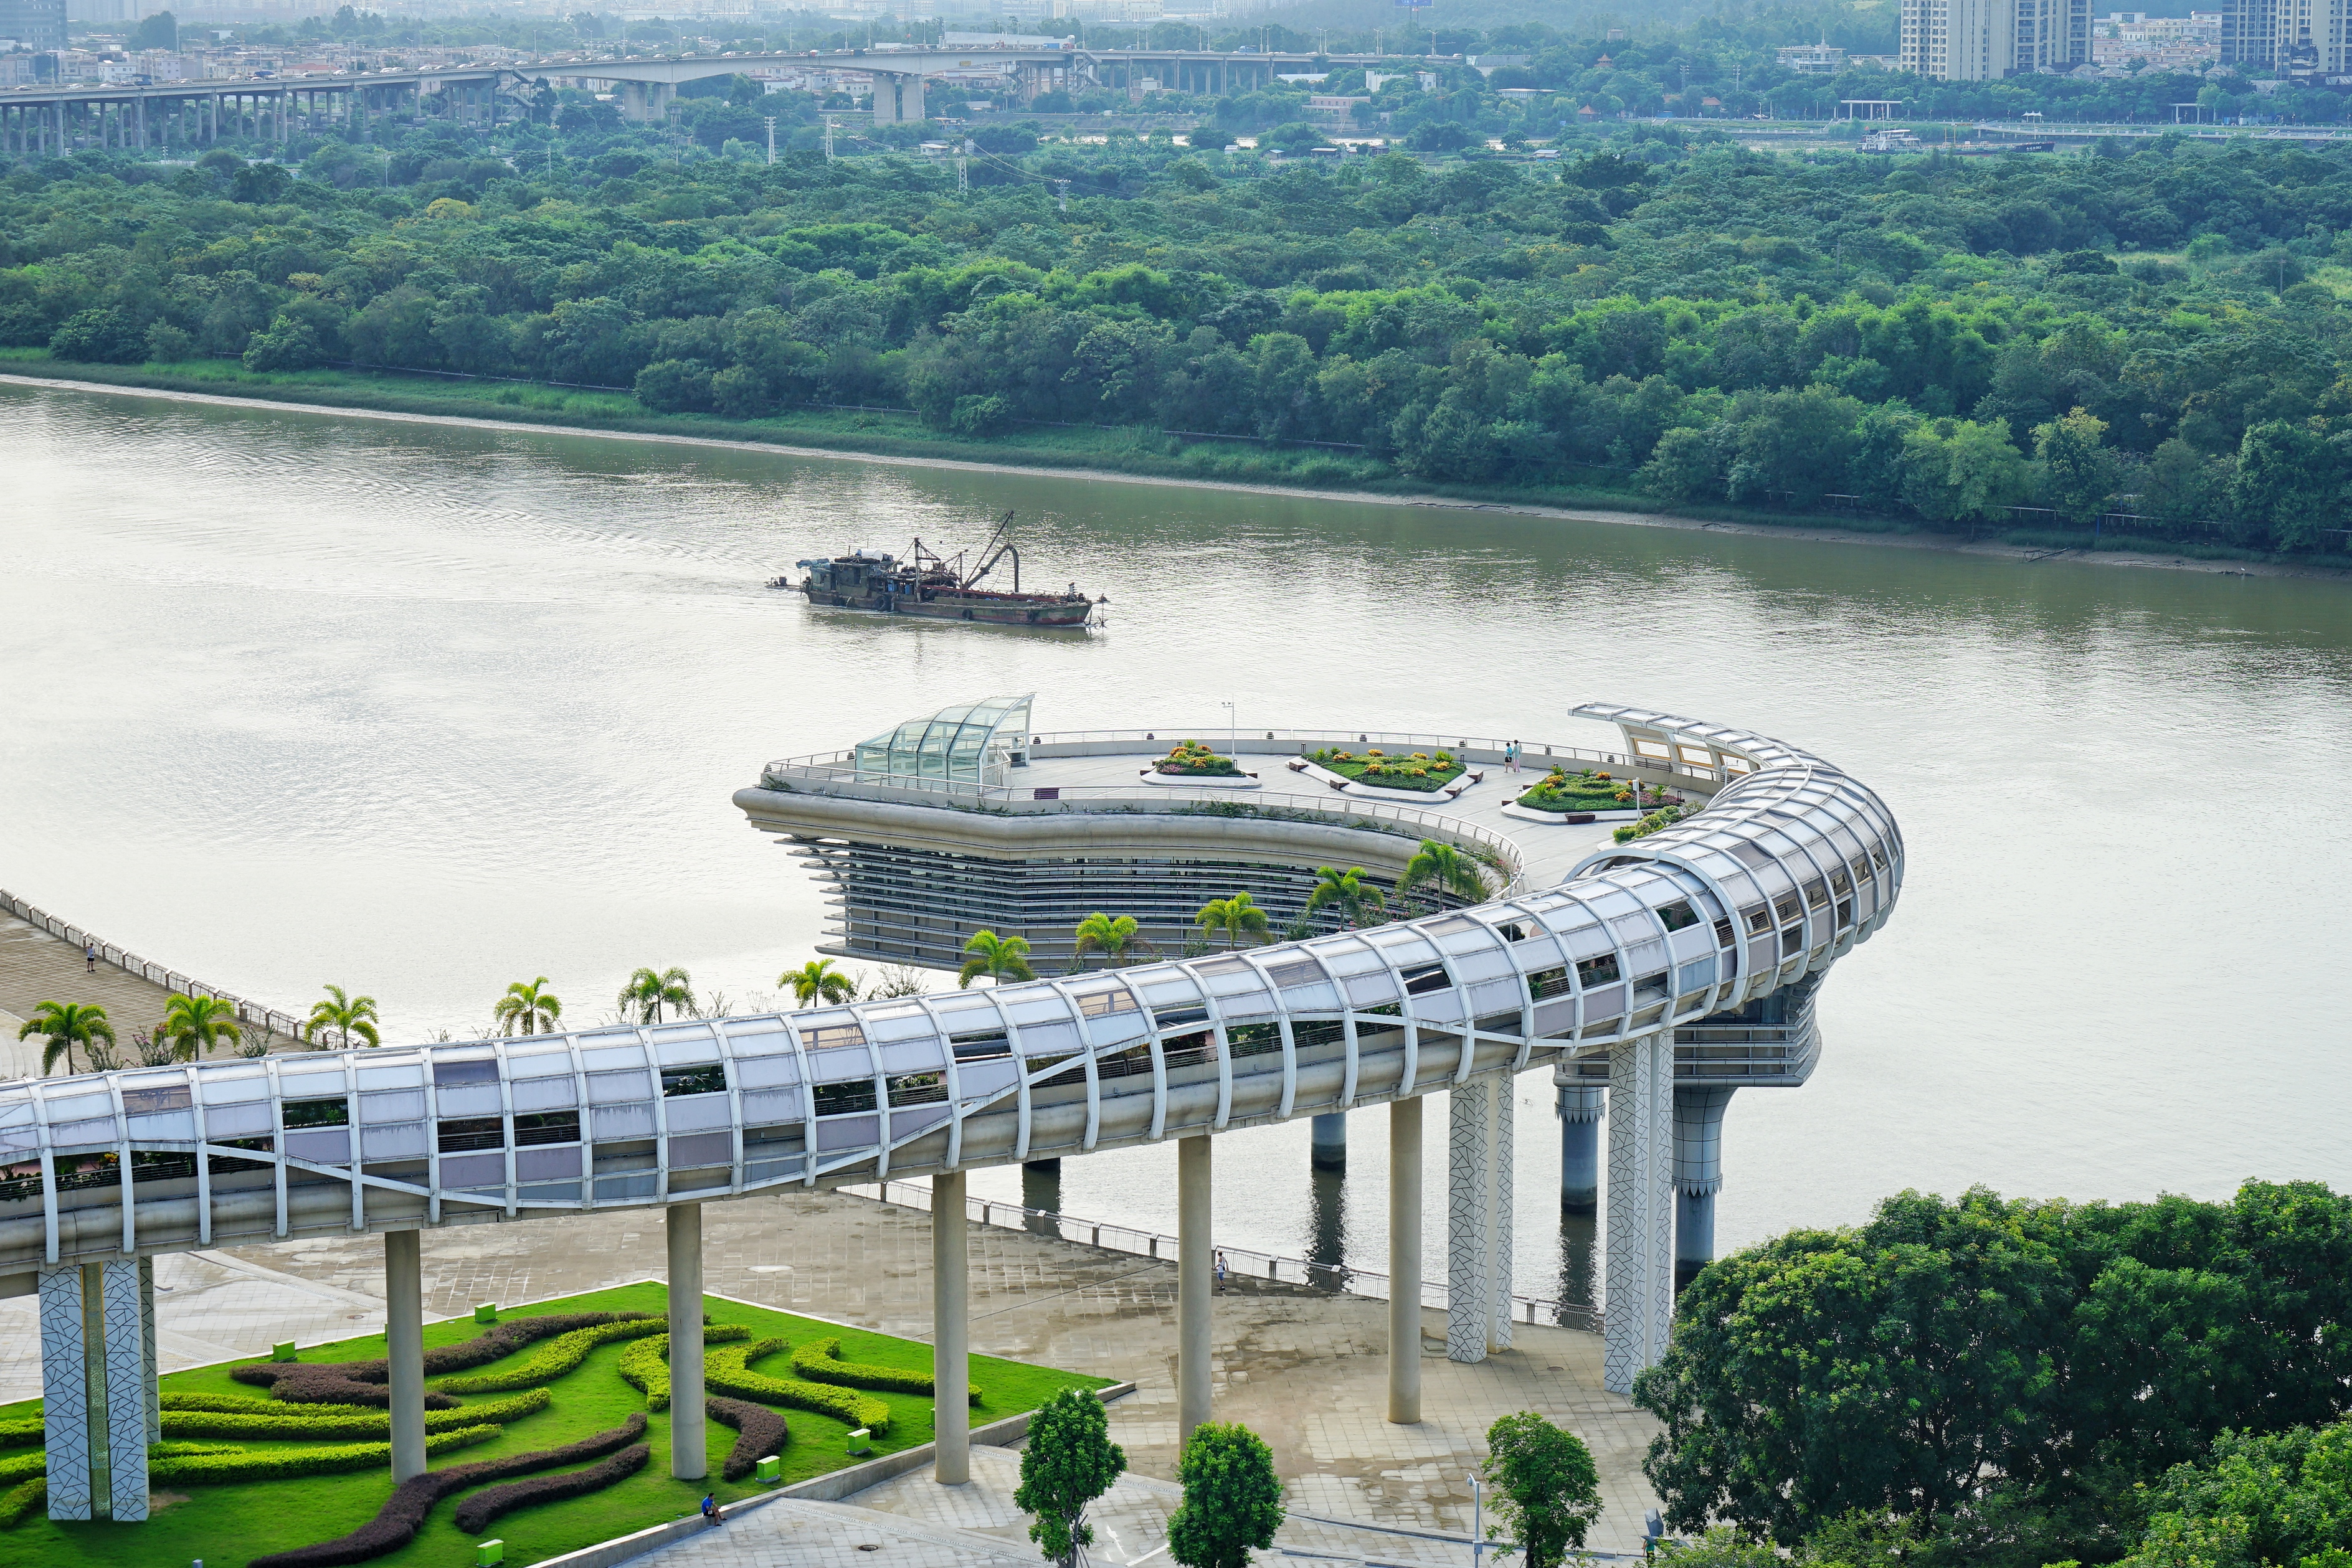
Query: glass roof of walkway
x=967, y=744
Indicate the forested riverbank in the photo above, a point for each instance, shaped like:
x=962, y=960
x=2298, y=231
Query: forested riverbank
x=2142, y=343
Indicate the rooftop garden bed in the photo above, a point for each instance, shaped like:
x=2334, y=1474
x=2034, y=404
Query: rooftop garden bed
x=1195, y=758
x=1590, y=790
x=1427, y=772
x=547, y=1428
x=1666, y=817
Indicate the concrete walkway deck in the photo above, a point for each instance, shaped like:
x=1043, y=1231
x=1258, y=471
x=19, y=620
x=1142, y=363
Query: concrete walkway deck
x=36, y=968
x=913, y=1520
x=1307, y=1373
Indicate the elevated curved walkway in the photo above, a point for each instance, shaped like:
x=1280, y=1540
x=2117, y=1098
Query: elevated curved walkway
x=1789, y=864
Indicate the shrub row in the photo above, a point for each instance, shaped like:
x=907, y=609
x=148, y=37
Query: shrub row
x=567, y=1352
x=403, y=1513
x=729, y=1371
x=759, y=1432
x=295, y=1423
x=26, y=1466
x=232, y=1467
x=822, y=1362
x=21, y=1500
x=22, y=1433
x=342, y=1382
x=362, y=1382
x=475, y=1514
x=247, y=1404
x=645, y=1365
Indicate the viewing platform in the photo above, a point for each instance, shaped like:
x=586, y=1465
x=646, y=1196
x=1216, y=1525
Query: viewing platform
x=1022, y=833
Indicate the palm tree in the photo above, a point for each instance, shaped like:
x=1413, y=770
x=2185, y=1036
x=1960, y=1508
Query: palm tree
x=1349, y=891
x=817, y=980
x=649, y=993
x=1001, y=959
x=1445, y=868
x=194, y=1025
x=529, y=1008
x=1232, y=916
x=64, y=1025
x=347, y=1015
x=1112, y=936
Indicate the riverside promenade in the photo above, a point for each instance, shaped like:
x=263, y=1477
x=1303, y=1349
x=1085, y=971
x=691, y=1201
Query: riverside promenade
x=1307, y=1372
x=36, y=968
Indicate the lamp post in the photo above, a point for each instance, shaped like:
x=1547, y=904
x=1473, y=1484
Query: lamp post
x=1232, y=734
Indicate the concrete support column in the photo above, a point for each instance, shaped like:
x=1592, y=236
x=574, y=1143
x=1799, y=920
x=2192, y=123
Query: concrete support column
x=1404, y=1261
x=1640, y=1283
x=149, y=1372
x=1499, y=1215
x=1699, y=1176
x=96, y=1377
x=404, y=1342
x=1327, y=1142
x=1194, y=1267
x=1580, y=1107
x=1477, y=1217
x=689, y=1459
x=950, y=1333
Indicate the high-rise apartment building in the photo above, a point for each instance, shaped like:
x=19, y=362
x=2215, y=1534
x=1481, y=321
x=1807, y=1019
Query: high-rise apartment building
x=1984, y=40
x=2293, y=37
x=35, y=24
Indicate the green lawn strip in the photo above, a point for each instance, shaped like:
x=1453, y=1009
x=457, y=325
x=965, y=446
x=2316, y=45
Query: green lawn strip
x=227, y=1526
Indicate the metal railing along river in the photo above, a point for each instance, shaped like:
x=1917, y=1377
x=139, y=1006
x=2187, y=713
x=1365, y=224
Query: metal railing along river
x=1241, y=1262
x=170, y=980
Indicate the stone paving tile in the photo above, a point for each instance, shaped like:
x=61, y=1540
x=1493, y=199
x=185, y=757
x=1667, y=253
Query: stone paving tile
x=1307, y=1373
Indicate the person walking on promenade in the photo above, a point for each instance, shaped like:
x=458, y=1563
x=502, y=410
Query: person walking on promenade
x=1221, y=1270
x=89, y=957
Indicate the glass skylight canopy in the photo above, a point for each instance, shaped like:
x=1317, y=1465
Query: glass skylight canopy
x=970, y=745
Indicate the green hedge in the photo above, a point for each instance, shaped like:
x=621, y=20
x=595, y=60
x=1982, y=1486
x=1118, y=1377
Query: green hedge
x=285, y=1464
x=256, y=1405
x=21, y=1500
x=562, y=1355
x=17, y=1467
x=729, y=1371
x=822, y=1362
x=645, y=1365
x=22, y=1433
x=297, y=1423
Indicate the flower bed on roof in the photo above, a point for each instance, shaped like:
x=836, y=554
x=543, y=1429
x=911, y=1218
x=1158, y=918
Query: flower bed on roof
x=1428, y=771
x=1195, y=758
x=1590, y=790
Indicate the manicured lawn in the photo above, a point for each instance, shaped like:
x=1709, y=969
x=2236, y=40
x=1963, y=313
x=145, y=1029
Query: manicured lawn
x=226, y=1526
x=1357, y=766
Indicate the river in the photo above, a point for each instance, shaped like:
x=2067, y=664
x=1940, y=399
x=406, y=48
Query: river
x=292, y=698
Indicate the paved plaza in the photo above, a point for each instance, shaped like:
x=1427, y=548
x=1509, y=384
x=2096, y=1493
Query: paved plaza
x=1307, y=1373
x=36, y=968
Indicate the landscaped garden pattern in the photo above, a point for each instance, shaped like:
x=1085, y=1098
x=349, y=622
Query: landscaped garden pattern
x=1196, y=758
x=577, y=1390
x=1426, y=771
x=1589, y=789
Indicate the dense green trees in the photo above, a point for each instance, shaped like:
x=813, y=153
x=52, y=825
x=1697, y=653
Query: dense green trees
x=2152, y=328
x=1986, y=1369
